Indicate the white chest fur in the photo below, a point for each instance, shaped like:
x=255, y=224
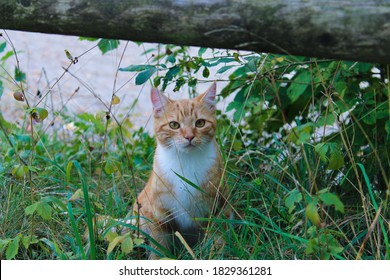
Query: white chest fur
x=182, y=199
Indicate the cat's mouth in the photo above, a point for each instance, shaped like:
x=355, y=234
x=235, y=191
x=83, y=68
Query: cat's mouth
x=189, y=146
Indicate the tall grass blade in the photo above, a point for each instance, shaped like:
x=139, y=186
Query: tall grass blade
x=88, y=211
x=76, y=231
x=185, y=244
x=375, y=204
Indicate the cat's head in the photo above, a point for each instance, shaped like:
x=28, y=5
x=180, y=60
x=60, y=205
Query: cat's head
x=186, y=124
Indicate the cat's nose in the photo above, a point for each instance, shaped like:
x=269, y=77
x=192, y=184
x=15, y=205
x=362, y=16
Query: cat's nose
x=189, y=137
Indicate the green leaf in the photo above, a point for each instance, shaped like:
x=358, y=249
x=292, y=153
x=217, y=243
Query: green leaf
x=225, y=68
x=19, y=171
x=292, y=198
x=370, y=118
x=236, y=57
x=111, y=167
x=171, y=58
x=251, y=65
x=301, y=134
x=7, y=55
x=239, y=110
x=311, y=246
x=312, y=213
x=28, y=240
x=138, y=241
x=387, y=127
x=2, y=46
x=341, y=87
x=364, y=67
x=44, y=210
x=68, y=171
x=325, y=245
x=77, y=195
x=20, y=76
x=23, y=138
x=56, y=201
x=33, y=168
x=110, y=236
x=13, y=248
x=88, y=210
x=331, y=199
x=172, y=72
x=299, y=85
x=114, y=243
x=4, y=243
x=136, y=68
x=304, y=137
x=334, y=246
x=237, y=145
x=143, y=76
x=106, y=45
x=127, y=245
x=31, y=209
x=330, y=153
x=206, y=72
x=55, y=248
x=336, y=159
x=157, y=81
x=68, y=55
x=1, y=89
x=218, y=60
x=201, y=51
x=39, y=114
x=321, y=149
x=322, y=121
x=192, y=82
x=88, y=39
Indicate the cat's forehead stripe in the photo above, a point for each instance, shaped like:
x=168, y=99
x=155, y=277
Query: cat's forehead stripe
x=185, y=108
x=182, y=111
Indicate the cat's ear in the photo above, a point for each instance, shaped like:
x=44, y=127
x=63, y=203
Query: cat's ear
x=209, y=96
x=159, y=100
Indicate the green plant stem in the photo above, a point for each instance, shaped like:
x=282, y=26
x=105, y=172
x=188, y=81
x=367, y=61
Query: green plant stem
x=88, y=210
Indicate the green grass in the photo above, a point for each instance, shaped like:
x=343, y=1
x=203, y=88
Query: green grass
x=70, y=194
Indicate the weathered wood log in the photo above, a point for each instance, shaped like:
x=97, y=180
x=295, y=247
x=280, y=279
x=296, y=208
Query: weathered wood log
x=344, y=29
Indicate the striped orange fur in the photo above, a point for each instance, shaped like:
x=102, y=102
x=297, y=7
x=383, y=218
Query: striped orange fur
x=187, y=168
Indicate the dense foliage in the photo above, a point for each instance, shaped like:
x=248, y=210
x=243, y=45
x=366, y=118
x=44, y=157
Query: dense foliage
x=305, y=141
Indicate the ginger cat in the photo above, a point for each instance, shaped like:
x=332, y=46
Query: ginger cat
x=186, y=148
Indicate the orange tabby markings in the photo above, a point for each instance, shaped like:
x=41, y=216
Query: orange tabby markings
x=185, y=149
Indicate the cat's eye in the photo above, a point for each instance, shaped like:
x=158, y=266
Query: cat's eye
x=174, y=125
x=200, y=123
